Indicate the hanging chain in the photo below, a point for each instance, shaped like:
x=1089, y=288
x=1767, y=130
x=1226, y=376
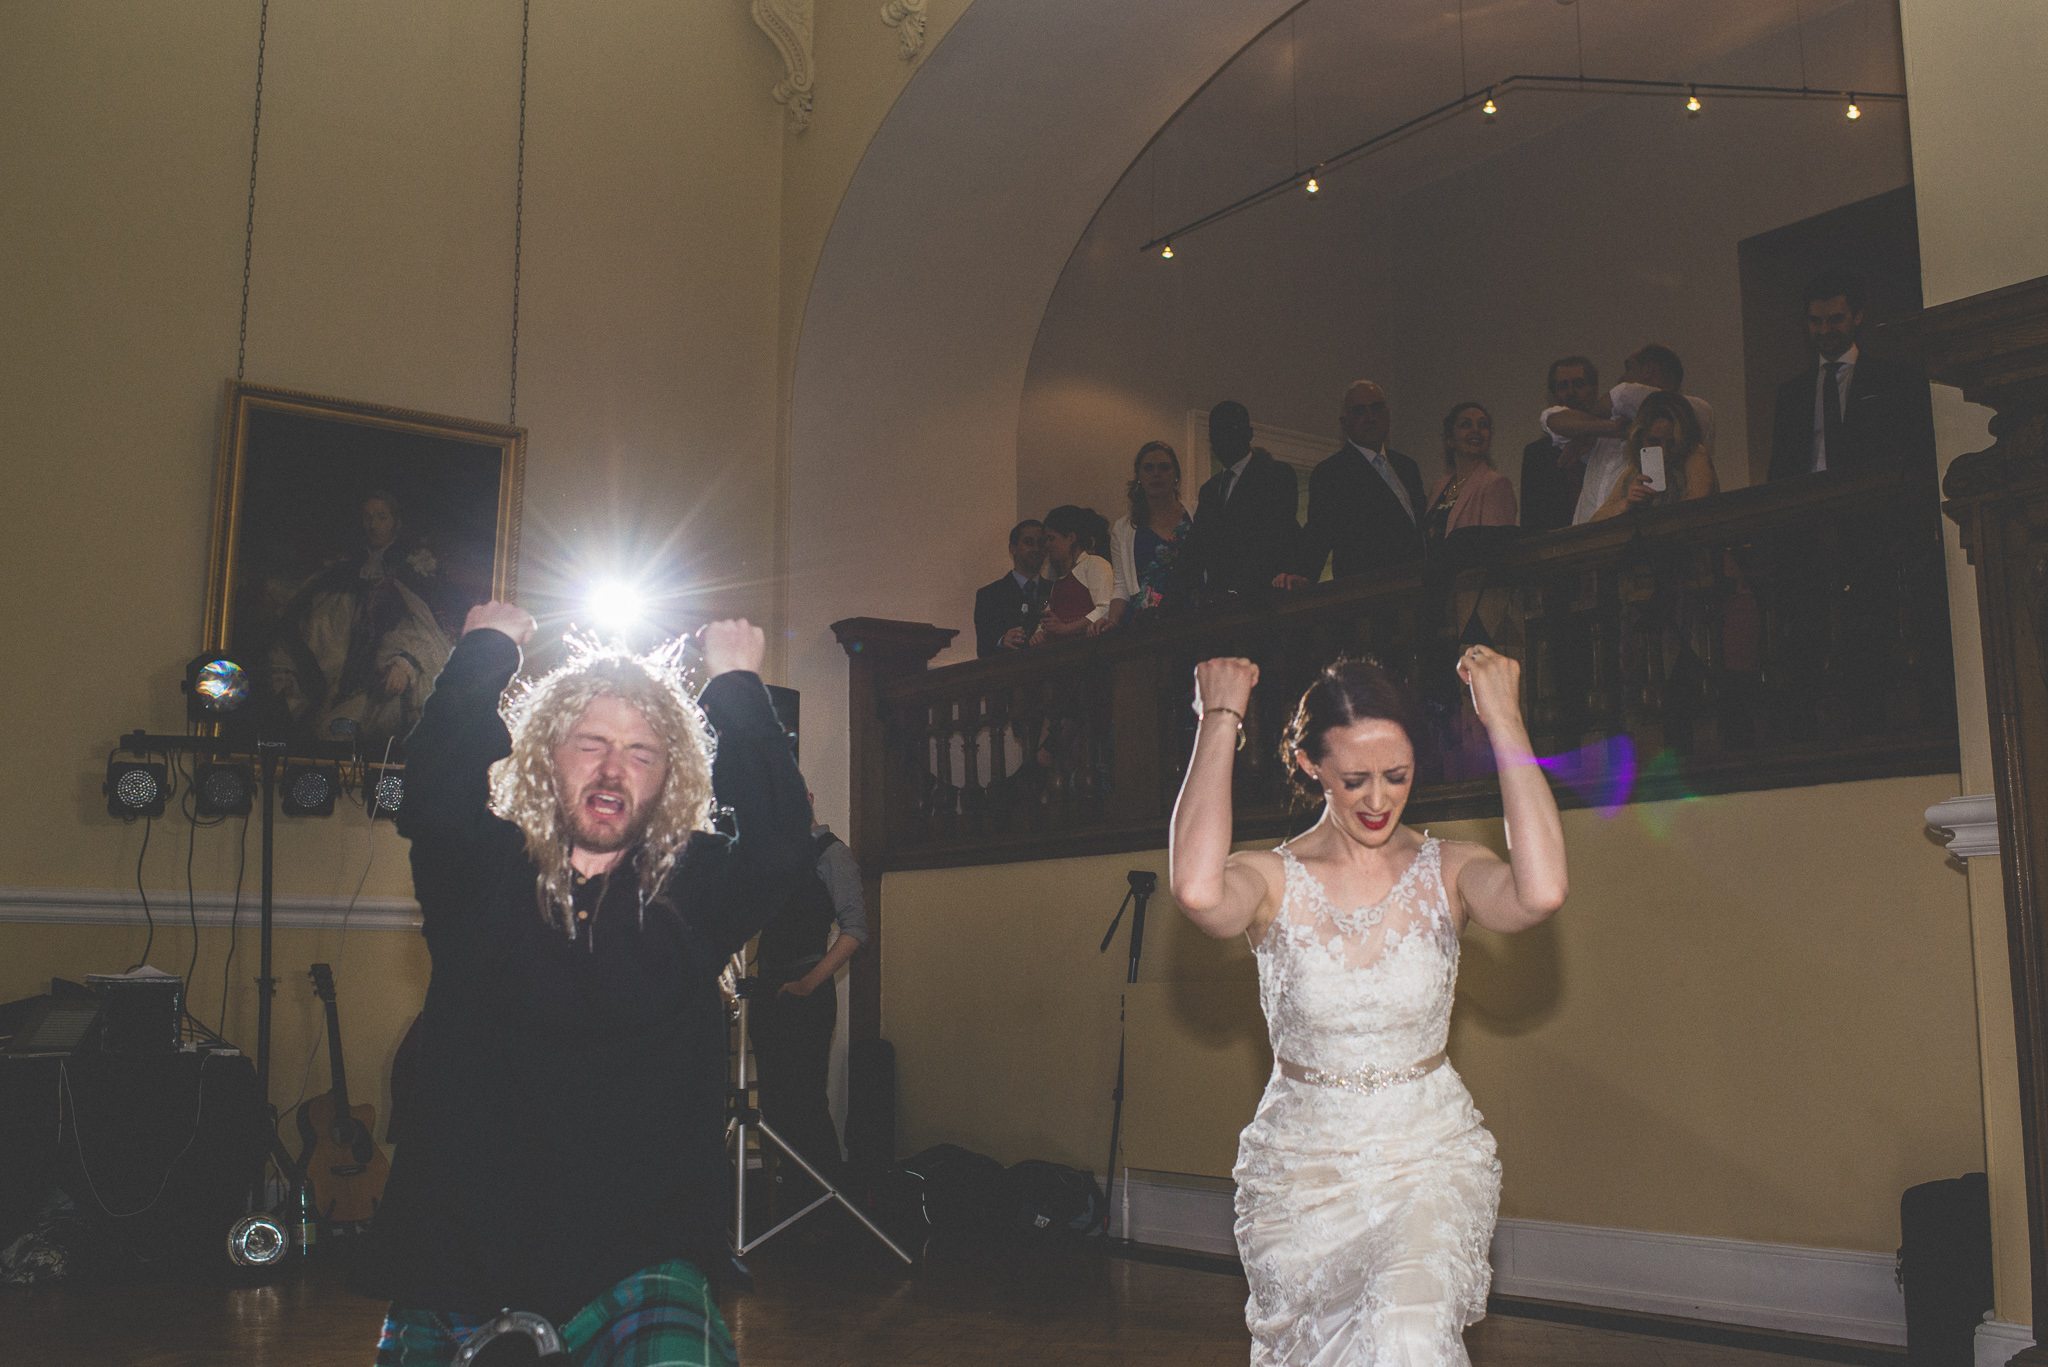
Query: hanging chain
x=249, y=224
x=519, y=207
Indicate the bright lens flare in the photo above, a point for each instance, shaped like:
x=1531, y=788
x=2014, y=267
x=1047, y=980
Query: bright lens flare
x=616, y=606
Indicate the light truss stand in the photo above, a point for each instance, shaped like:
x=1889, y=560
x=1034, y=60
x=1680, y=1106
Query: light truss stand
x=744, y=1117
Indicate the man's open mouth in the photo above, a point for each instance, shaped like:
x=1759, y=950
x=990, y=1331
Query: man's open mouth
x=605, y=804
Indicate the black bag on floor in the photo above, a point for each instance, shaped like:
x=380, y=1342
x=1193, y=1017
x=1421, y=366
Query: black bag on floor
x=1052, y=1198
x=957, y=1190
x=1945, y=1268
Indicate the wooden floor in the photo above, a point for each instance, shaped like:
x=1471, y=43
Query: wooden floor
x=818, y=1304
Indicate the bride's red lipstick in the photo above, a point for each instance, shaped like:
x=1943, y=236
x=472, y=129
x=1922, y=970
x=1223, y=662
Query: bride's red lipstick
x=1375, y=823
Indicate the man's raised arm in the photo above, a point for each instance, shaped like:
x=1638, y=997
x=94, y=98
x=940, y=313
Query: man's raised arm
x=448, y=756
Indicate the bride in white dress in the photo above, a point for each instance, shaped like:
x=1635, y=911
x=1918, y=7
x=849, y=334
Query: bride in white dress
x=1366, y=1183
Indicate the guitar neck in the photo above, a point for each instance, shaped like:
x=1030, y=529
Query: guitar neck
x=337, y=1073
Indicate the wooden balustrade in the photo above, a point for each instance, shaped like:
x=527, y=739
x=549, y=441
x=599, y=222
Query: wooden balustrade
x=1783, y=635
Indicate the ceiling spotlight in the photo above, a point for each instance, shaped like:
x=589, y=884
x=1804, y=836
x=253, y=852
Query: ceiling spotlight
x=136, y=788
x=1489, y=109
x=1692, y=104
x=383, y=791
x=1166, y=252
x=1853, y=112
x=308, y=790
x=222, y=790
x=215, y=685
x=1312, y=187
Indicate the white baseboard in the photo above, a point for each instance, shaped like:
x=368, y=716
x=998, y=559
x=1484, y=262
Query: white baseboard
x=123, y=907
x=1839, y=1293
x=1997, y=1341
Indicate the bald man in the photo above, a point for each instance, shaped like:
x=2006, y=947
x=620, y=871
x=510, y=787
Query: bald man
x=1364, y=499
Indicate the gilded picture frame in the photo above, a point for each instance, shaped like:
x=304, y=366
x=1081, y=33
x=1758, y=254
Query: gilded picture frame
x=349, y=540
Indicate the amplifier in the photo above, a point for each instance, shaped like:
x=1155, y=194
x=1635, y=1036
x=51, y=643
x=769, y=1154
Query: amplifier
x=141, y=1012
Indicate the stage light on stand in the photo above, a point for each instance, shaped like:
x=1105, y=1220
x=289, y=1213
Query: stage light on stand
x=383, y=791
x=307, y=790
x=223, y=790
x=1853, y=112
x=136, y=788
x=216, y=685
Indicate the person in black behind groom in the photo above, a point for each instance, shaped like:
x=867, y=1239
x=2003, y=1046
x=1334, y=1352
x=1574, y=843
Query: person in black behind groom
x=1848, y=412
x=1364, y=499
x=1244, y=531
x=1007, y=611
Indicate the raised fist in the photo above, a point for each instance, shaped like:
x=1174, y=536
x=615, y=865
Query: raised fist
x=509, y=618
x=730, y=645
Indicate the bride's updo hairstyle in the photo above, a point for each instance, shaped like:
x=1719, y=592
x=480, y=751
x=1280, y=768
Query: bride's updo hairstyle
x=1345, y=693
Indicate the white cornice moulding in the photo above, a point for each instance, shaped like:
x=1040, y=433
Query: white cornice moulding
x=1971, y=824
x=907, y=18
x=121, y=907
x=788, y=25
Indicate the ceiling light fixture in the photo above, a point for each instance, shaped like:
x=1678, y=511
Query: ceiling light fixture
x=1489, y=107
x=1692, y=103
x=1853, y=112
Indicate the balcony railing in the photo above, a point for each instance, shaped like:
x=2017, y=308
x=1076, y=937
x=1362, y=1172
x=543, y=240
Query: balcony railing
x=1778, y=636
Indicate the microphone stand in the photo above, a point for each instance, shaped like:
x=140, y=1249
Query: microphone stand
x=1143, y=884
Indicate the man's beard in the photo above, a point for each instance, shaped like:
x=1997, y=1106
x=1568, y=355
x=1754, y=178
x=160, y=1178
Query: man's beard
x=607, y=838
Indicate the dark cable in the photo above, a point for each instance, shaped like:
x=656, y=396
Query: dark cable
x=147, y=823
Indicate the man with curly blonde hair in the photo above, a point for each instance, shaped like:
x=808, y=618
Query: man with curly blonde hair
x=565, y=1144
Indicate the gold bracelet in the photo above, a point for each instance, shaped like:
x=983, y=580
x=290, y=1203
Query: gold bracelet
x=1233, y=712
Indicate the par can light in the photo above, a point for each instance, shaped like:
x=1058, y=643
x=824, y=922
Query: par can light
x=223, y=790
x=384, y=792
x=136, y=788
x=308, y=790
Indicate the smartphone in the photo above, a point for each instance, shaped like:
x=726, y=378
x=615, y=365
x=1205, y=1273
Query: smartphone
x=1653, y=466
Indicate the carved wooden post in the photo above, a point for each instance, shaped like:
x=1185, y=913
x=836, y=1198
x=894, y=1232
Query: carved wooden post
x=1994, y=347
x=877, y=651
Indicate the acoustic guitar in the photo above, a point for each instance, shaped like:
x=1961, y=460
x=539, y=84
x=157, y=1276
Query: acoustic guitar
x=344, y=1168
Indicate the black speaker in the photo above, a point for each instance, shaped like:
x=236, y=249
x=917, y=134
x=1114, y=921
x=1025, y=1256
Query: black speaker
x=139, y=1015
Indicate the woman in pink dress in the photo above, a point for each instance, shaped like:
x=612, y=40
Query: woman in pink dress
x=1472, y=493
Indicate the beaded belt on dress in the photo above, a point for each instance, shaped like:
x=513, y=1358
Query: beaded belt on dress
x=1367, y=1080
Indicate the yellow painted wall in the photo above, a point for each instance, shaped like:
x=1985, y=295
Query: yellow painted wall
x=1982, y=190
x=1754, y=1020
x=659, y=173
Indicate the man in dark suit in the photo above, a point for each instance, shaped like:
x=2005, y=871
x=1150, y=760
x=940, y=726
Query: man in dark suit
x=1244, y=533
x=1552, y=471
x=1007, y=610
x=1848, y=412
x=1364, y=500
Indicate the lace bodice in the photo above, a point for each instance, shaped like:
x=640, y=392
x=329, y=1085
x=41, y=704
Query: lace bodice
x=1368, y=986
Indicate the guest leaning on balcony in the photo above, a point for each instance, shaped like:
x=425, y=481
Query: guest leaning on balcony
x=1665, y=421
x=1472, y=493
x=1083, y=584
x=1145, y=543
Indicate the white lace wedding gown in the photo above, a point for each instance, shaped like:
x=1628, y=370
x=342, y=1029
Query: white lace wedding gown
x=1365, y=1204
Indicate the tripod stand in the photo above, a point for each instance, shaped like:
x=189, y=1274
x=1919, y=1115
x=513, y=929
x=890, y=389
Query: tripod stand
x=745, y=1116
x=1143, y=885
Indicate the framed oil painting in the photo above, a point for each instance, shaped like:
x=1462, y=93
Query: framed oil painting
x=349, y=541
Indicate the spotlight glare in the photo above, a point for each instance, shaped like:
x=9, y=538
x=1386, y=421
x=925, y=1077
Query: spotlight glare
x=616, y=606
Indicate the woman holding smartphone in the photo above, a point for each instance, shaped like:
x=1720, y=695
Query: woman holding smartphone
x=1671, y=463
